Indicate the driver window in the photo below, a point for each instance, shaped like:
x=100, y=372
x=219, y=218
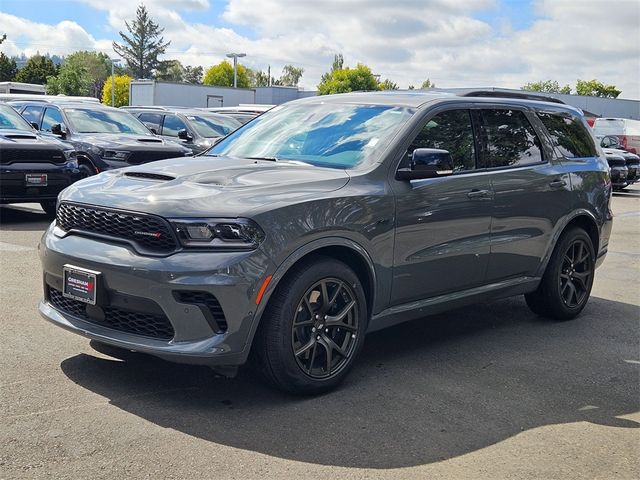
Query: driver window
x=451, y=131
x=51, y=117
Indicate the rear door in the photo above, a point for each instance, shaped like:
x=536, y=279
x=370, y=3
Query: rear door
x=442, y=224
x=531, y=190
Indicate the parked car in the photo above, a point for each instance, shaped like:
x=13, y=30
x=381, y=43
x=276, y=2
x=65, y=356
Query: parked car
x=196, y=129
x=627, y=131
x=104, y=137
x=327, y=218
x=242, y=113
x=614, y=150
x=33, y=168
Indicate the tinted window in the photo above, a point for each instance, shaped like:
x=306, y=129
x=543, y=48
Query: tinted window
x=449, y=131
x=32, y=114
x=11, y=120
x=85, y=120
x=568, y=134
x=172, y=124
x=51, y=117
x=508, y=139
x=151, y=120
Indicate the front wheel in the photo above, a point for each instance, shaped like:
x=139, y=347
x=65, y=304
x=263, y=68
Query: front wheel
x=313, y=328
x=567, y=281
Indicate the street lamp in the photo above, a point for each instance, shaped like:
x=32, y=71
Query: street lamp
x=113, y=81
x=235, y=57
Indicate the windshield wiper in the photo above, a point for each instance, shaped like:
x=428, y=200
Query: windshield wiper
x=270, y=159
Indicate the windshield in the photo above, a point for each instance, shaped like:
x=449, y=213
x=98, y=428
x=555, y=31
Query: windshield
x=325, y=135
x=11, y=120
x=104, y=121
x=213, y=125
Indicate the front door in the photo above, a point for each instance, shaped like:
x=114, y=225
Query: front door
x=443, y=224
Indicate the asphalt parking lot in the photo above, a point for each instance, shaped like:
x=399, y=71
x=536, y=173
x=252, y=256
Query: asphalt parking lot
x=490, y=391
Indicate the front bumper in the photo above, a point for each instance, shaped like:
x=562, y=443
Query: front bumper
x=619, y=176
x=14, y=189
x=144, y=285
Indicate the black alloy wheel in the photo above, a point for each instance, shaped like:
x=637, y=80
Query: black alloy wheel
x=575, y=275
x=325, y=328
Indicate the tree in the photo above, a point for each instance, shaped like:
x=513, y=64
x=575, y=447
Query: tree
x=595, y=88
x=142, y=46
x=259, y=78
x=290, y=76
x=8, y=68
x=427, y=84
x=81, y=73
x=170, y=71
x=549, y=86
x=122, y=90
x=37, y=69
x=348, y=80
x=388, y=85
x=193, y=74
x=222, y=75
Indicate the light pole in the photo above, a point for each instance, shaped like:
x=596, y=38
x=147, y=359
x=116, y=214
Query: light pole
x=235, y=57
x=113, y=81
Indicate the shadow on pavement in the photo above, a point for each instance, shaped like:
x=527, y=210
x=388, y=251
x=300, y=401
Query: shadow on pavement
x=421, y=392
x=21, y=218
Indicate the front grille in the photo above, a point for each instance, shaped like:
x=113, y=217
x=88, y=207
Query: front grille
x=138, y=323
x=30, y=155
x=144, y=157
x=208, y=304
x=148, y=233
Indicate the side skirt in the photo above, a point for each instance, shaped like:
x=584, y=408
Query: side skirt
x=430, y=306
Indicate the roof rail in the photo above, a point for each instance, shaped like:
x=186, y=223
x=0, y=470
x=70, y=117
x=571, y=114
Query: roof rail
x=502, y=94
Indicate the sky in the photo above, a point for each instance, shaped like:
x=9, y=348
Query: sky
x=454, y=43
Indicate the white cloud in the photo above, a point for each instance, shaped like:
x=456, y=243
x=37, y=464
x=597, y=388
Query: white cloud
x=405, y=40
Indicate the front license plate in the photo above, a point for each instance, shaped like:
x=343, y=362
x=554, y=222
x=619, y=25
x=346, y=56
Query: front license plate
x=80, y=284
x=36, y=179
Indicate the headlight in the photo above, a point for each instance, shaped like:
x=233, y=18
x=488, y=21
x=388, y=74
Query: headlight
x=236, y=233
x=115, y=154
x=70, y=154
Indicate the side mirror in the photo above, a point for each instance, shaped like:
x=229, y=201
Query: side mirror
x=58, y=129
x=427, y=163
x=153, y=130
x=184, y=135
x=35, y=125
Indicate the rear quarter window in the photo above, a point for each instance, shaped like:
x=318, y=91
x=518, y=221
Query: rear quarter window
x=569, y=135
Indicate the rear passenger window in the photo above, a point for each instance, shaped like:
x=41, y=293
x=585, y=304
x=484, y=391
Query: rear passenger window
x=32, y=114
x=51, y=117
x=509, y=140
x=568, y=134
x=449, y=131
x=151, y=120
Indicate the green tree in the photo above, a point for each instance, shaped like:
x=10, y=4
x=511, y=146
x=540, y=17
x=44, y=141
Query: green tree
x=37, y=70
x=427, y=84
x=122, y=90
x=388, y=85
x=595, y=88
x=142, y=46
x=222, y=75
x=170, y=71
x=290, y=76
x=348, y=80
x=8, y=68
x=259, y=78
x=81, y=73
x=549, y=86
x=193, y=74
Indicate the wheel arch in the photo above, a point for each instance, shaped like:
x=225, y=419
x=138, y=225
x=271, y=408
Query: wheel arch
x=343, y=249
x=84, y=159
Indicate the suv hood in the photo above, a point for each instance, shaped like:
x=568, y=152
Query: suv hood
x=11, y=138
x=207, y=186
x=128, y=141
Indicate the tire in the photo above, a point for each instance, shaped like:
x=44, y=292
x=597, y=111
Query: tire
x=49, y=207
x=567, y=281
x=299, y=319
x=86, y=170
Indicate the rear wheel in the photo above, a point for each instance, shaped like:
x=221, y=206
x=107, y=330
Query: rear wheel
x=567, y=281
x=313, y=328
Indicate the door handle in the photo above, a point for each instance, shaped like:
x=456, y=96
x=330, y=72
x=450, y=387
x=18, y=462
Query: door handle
x=478, y=194
x=559, y=183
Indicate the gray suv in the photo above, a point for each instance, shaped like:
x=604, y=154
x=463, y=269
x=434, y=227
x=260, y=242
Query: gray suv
x=327, y=218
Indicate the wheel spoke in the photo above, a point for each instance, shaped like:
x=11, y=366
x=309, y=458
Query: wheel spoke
x=312, y=358
x=582, y=278
x=308, y=304
x=325, y=295
x=305, y=347
x=571, y=293
x=329, y=357
x=341, y=315
x=335, y=294
x=334, y=346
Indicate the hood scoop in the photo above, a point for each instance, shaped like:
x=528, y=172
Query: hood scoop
x=150, y=140
x=19, y=136
x=150, y=176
